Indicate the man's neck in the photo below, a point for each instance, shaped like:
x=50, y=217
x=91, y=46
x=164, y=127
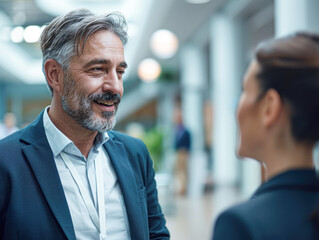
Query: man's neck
x=82, y=138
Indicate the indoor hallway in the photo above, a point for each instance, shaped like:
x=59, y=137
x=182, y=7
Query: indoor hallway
x=192, y=218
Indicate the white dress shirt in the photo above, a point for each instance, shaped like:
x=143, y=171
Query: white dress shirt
x=116, y=222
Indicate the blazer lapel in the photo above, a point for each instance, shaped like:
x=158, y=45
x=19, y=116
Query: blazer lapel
x=41, y=160
x=126, y=178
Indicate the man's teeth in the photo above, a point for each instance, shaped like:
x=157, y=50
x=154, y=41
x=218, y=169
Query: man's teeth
x=108, y=103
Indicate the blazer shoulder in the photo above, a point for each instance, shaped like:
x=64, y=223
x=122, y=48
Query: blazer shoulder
x=11, y=141
x=244, y=218
x=10, y=152
x=241, y=210
x=252, y=210
x=232, y=224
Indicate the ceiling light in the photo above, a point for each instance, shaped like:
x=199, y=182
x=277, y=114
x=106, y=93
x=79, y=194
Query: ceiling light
x=32, y=34
x=197, y=1
x=164, y=43
x=16, y=34
x=149, y=70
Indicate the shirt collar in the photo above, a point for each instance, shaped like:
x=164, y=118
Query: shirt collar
x=58, y=141
x=100, y=139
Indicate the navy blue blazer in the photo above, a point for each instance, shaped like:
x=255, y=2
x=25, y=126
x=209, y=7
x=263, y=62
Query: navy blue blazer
x=32, y=200
x=280, y=209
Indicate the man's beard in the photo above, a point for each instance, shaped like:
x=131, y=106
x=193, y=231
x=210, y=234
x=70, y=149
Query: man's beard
x=79, y=107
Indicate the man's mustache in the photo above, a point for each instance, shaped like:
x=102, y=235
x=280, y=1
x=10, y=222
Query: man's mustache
x=108, y=96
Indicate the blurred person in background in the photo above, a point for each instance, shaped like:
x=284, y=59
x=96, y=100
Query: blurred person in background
x=9, y=125
x=182, y=149
x=67, y=175
x=278, y=116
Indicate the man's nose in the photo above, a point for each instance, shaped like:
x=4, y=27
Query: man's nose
x=112, y=83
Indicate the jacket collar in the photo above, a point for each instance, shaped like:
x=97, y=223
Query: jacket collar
x=40, y=157
x=120, y=161
x=303, y=179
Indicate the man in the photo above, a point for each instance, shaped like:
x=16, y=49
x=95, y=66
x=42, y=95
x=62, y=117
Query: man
x=66, y=175
x=182, y=148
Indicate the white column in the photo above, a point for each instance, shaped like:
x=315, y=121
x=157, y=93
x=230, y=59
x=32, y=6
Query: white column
x=165, y=112
x=225, y=91
x=164, y=176
x=193, y=82
x=296, y=15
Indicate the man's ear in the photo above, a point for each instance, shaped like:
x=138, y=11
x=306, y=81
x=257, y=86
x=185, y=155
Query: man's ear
x=54, y=74
x=271, y=107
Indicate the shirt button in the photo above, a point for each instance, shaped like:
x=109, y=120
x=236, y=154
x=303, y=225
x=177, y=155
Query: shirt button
x=103, y=236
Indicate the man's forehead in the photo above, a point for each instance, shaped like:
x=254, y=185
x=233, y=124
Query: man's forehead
x=102, y=39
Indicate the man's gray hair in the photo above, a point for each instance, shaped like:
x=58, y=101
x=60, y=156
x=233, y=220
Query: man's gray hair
x=66, y=35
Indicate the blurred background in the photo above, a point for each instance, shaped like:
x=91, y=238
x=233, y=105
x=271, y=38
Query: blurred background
x=186, y=62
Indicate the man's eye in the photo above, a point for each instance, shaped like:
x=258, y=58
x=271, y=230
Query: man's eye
x=97, y=69
x=120, y=72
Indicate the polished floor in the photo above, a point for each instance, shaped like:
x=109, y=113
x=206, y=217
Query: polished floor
x=192, y=218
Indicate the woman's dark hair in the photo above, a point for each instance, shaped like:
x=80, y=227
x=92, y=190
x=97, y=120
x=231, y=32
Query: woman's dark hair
x=290, y=65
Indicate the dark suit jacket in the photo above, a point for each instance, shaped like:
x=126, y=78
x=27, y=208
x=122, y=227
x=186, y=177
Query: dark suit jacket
x=182, y=138
x=280, y=209
x=32, y=201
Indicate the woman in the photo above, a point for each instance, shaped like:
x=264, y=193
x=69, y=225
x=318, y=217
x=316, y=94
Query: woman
x=278, y=118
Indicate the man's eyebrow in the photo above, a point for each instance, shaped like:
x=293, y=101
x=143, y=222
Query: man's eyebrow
x=103, y=61
x=97, y=61
x=123, y=64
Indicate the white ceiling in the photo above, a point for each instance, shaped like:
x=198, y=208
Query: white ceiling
x=143, y=16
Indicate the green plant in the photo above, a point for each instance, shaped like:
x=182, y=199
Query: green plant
x=153, y=140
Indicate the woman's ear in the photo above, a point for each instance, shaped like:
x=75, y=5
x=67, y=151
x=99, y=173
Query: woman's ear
x=54, y=74
x=271, y=108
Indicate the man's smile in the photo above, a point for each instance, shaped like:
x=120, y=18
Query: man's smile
x=107, y=103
